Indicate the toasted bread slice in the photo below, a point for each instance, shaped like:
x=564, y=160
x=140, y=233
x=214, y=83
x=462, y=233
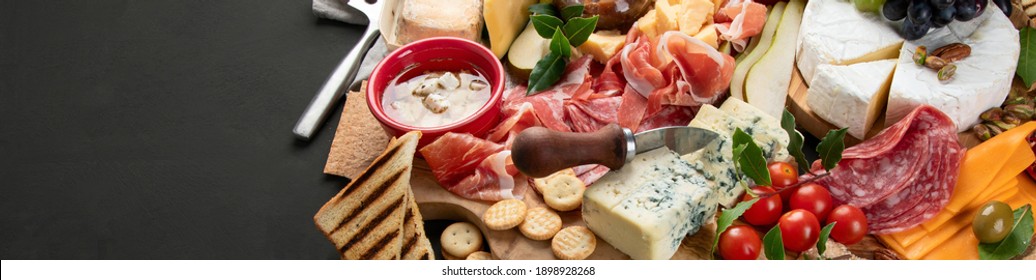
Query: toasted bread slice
x=416, y=245
x=365, y=219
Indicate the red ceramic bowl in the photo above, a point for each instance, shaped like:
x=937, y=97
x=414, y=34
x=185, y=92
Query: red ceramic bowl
x=439, y=54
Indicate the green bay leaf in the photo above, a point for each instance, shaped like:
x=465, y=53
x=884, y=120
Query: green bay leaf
x=727, y=217
x=543, y=9
x=773, y=246
x=559, y=44
x=546, y=72
x=796, y=140
x=1015, y=243
x=751, y=161
x=545, y=25
x=830, y=148
x=571, y=12
x=578, y=29
x=822, y=241
x=1027, y=58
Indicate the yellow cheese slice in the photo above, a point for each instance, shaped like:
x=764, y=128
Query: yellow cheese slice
x=962, y=246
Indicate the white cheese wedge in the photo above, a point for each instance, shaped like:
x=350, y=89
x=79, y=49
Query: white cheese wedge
x=715, y=161
x=834, y=32
x=646, y=208
x=982, y=80
x=851, y=96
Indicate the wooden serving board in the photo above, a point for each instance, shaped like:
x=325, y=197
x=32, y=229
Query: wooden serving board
x=818, y=127
x=438, y=204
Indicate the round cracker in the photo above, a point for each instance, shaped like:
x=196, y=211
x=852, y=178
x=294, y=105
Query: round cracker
x=447, y=256
x=480, y=256
x=539, y=184
x=564, y=193
x=461, y=239
x=505, y=214
x=574, y=243
x=540, y=224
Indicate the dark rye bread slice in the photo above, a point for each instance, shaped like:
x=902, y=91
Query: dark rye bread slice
x=365, y=220
x=416, y=245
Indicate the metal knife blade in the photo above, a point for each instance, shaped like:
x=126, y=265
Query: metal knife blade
x=681, y=139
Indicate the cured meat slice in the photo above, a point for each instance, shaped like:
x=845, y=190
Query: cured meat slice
x=739, y=20
x=668, y=116
x=611, y=81
x=473, y=168
x=904, y=175
x=522, y=118
x=493, y=180
x=866, y=181
x=454, y=156
x=707, y=71
x=640, y=67
x=631, y=109
x=591, y=115
x=590, y=173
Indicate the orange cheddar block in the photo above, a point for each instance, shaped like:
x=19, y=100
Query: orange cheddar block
x=1027, y=189
x=917, y=245
x=977, y=201
x=983, y=167
x=962, y=246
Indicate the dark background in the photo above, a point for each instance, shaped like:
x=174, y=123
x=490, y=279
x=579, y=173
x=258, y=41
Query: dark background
x=161, y=129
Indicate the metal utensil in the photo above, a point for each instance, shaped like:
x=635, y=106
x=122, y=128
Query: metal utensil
x=539, y=152
x=335, y=86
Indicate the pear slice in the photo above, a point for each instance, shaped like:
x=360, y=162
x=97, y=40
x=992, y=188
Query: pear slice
x=766, y=86
x=526, y=50
x=755, y=51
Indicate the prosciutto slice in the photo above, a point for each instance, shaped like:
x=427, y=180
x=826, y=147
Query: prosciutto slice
x=521, y=118
x=904, y=175
x=472, y=167
x=739, y=20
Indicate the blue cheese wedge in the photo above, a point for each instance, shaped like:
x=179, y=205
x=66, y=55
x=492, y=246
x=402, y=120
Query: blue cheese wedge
x=646, y=208
x=715, y=161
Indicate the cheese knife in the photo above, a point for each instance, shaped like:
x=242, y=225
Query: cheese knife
x=539, y=152
x=336, y=84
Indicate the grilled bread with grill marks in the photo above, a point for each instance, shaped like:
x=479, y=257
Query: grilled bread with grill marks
x=416, y=245
x=365, y=220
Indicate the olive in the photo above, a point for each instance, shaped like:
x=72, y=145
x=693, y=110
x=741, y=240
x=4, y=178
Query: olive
x=993, y=222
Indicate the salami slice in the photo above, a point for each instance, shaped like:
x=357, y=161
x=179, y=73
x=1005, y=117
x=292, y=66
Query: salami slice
x=904, y=175
x=862, y=182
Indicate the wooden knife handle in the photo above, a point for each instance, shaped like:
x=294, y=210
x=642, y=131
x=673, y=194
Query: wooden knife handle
x=538, y=151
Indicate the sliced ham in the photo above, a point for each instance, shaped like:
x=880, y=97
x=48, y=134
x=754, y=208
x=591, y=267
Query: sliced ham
x=611, y=81
x=520, y=119
x=472, y=167
x=708, y=72
x=493, y=180
x=739, y=20
x=640, y=67
x=593, y=113
x=903, y=176
x=631, y=109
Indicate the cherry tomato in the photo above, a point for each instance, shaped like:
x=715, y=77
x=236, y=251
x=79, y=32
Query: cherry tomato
x=783, y=175
x=764, y=212
x=740, y=242
x=851, y=226
x=800, y=230
x=814, y=198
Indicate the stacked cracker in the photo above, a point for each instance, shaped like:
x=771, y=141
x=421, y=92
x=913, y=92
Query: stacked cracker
x=375, y=216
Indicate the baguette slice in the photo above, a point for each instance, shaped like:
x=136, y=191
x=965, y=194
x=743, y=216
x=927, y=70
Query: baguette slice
x=416, y=245
x=365, y=220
